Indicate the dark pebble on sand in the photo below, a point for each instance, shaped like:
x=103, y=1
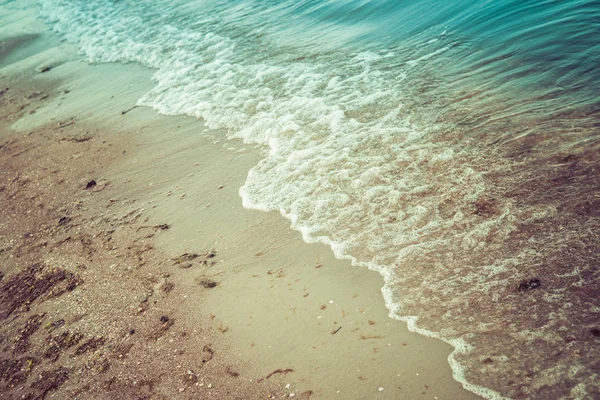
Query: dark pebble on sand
x=208, y=283
x=63, y=220
x=164, y=319
x=529, y=284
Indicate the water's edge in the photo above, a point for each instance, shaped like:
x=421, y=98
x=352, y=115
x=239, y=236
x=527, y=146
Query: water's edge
x=457, y=157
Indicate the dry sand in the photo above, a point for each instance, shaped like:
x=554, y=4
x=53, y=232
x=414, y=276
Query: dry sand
x=130, y=269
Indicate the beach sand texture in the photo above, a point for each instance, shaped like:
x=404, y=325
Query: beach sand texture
x=130, y=270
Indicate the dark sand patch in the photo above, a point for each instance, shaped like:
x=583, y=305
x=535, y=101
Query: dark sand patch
x=81, y=313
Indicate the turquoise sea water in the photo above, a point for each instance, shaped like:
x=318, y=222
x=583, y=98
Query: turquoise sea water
x=451, y=146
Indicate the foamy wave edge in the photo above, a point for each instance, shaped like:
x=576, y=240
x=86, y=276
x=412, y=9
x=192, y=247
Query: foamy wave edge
x=460, y=345
x=389, y=276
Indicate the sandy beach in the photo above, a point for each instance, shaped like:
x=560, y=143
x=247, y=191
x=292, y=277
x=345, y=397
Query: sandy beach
x=130, y=270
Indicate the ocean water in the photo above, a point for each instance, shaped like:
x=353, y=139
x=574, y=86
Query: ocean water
x=453, y=146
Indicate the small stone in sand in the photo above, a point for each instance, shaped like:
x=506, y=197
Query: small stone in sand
x=63, y=220
x=207, y=283
x=142, y=298
x=98, y=187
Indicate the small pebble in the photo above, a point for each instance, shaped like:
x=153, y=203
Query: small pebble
x=142, y=298
x=381, y=388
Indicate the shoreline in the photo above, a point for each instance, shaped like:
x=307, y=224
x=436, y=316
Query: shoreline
x=163, y=171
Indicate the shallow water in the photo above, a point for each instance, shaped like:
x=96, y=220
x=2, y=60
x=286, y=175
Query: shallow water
x=452, y=147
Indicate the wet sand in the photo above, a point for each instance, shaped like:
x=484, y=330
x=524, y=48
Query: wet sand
x=131, y=270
